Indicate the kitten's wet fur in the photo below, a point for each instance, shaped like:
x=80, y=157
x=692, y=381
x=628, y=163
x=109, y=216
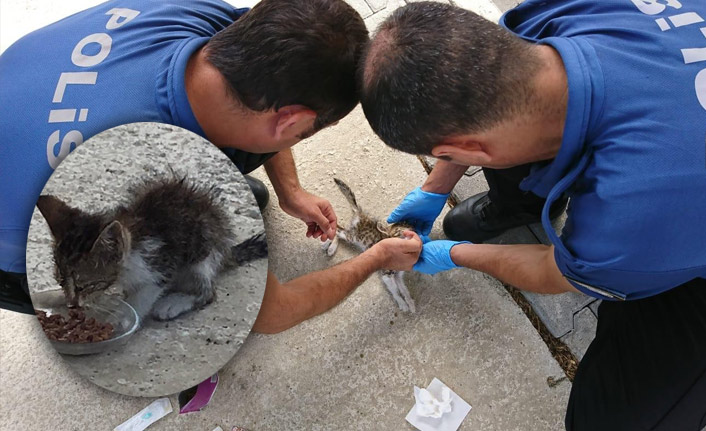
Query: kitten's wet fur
x=163, y=249
x=364, y=231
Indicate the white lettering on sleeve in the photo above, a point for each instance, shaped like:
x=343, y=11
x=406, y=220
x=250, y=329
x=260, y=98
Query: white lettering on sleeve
x=685, y=19
x=74, y=137
x=662, y=23
x=117, y=13
x=67, y=78
x=693, y=55
x=62, y=115
x=653, y=7
x=82, y=60
x=67, y=115
x=700, y=84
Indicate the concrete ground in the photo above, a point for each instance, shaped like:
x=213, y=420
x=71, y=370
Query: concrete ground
x=353, y=367
x=161, y=358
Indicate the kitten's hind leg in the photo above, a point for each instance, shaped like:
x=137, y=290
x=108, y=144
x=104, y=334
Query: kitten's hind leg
x=402, y=287
x=389, y=279
x=192, y=289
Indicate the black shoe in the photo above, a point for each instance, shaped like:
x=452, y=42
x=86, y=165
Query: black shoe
x=477, y=219
x=14, y=294
x=262, y=195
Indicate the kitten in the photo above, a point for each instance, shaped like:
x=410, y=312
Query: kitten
x=364, y=231
x=164, y=248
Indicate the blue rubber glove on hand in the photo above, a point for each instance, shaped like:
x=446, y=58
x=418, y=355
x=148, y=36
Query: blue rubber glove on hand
x=420, y=209
x=436, y=256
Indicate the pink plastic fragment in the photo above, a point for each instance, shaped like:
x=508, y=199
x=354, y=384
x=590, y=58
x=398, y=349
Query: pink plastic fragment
x=203, y=395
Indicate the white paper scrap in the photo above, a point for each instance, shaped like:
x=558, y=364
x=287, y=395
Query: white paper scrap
x=218, y=429
x=147, y=416
x=449, y=421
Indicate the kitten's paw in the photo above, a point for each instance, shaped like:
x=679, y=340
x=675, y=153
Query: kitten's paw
x=410, y=305
x=172, y=306
x=403, y=306
x=325, y=245
x=330, y=247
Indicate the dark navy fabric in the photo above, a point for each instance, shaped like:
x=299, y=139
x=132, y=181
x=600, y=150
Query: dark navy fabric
x=633, y=155
x=120, y=62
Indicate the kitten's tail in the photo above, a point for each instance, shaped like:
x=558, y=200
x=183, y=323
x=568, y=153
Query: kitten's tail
x=348, y=193
x=251, y=249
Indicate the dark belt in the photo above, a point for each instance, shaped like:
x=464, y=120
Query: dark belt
x=14, y=294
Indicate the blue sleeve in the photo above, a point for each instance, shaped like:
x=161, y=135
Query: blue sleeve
x=602, y=282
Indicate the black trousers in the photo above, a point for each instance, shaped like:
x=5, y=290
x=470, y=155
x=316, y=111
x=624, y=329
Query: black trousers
x=646, y=368
x=505, y=191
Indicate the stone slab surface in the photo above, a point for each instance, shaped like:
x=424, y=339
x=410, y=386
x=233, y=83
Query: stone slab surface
x=584, y=331
x=353, y=367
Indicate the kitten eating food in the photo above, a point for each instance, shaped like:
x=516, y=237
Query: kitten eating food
x=164, y=248
x=364, y=231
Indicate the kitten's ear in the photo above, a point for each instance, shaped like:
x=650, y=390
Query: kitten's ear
x=113, y=241
x=57, y=214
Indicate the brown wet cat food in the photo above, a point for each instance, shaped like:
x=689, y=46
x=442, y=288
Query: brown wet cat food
x=74, y=329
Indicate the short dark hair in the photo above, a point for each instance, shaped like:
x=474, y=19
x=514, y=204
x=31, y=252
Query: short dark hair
x=434, y=70
x=285, y=52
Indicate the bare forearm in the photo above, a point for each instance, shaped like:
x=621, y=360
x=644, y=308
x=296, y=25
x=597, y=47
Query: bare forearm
x=528, y=267
x=443, y=177
x=283, y=173
x=288, y=304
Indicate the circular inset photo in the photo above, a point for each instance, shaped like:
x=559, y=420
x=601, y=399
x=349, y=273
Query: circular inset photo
x=147, y=259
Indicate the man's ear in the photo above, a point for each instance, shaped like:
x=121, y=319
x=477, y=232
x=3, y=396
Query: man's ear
x=292, y=121
x=465, y=150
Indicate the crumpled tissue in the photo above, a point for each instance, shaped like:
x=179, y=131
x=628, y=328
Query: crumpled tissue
x=429, y=406
x=437, y=408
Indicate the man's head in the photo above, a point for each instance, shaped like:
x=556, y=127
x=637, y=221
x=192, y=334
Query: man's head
x=297, y=58
x=437, y=76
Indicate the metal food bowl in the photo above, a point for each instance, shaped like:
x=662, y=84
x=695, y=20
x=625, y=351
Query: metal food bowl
x=104, y=308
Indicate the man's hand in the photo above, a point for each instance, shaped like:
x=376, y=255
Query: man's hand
x=398, y=254
x=317, y=213
x=420, y=209
x=436, y=256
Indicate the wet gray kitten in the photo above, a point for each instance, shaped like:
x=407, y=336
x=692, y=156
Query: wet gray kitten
x=364, y=231
x=164, y=248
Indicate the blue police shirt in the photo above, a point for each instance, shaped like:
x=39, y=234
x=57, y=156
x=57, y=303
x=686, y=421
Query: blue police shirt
x=633, y=154
x=120, y=62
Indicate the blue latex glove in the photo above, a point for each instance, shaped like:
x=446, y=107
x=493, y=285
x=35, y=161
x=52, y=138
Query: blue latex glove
x=420, y=209
x=436, y=256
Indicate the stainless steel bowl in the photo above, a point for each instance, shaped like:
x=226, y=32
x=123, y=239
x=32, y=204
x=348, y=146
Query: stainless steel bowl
x=104, y=308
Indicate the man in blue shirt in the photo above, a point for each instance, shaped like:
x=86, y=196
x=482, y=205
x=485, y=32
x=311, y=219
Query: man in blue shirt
x=253, y=82
x=603, y=103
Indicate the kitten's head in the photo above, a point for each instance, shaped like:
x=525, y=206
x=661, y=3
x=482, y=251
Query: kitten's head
x=88, y=248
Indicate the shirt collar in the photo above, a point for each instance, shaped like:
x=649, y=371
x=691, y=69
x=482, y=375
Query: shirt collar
x=179, y=106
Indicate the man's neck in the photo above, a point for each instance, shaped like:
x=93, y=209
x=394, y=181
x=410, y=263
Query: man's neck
x=551, y=85
x=214, y=108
